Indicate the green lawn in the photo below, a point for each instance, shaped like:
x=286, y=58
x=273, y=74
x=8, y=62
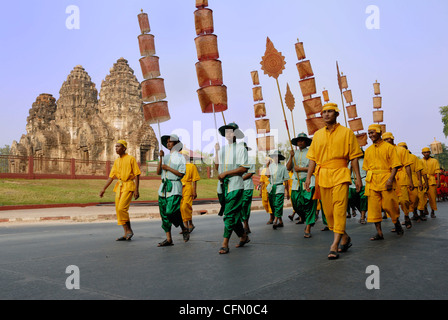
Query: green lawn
x=56, y=191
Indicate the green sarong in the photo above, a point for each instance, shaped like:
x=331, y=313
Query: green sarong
x=304, y=204
x=276, y=201
x=247, y=203
x=231, y=206
x=357, y=200
x=170, y=212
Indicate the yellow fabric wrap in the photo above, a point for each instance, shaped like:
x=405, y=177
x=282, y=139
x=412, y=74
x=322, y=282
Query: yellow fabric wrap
x=369, y=179
x=330, y=164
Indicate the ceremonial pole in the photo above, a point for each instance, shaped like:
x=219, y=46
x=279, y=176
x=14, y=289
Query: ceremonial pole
x=273, y=64
x=340, y=89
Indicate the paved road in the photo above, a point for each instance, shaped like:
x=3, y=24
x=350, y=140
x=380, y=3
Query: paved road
x=275, y=265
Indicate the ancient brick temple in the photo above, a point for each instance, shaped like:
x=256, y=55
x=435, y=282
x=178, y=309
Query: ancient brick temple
x=82, y=126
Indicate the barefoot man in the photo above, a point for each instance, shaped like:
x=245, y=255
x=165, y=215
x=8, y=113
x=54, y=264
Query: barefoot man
x=126, y=170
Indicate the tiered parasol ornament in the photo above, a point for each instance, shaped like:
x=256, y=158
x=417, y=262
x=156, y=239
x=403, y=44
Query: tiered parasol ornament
x=378, y=115
x=356, y=122
x=307, y=82
x=212, y=93
x=325, y=95
x=264, y=142
x=155, y=109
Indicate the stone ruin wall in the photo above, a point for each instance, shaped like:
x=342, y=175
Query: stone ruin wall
x=82, y=126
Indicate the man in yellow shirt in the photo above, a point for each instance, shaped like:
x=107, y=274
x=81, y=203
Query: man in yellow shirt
x=422, y=196
x=189, y=184
x=264, y=181
x=381, y=162
x=405, y=183
x=332, y=148
x=432, y=169
x=126, y=170
x=416, y=171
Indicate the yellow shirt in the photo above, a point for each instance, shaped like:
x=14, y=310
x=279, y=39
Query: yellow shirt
x=264, y=179
x=191, y=174
x=404, y=156
x=379, y=159
x=416, y=166
x=431, y=168
x=125, y=169
x=290, y=181
x=340, y=144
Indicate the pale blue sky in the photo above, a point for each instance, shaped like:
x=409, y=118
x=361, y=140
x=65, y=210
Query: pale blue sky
x=407, y=55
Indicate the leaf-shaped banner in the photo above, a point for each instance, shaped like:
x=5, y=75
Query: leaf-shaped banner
x=272, y=63
x=289, y=98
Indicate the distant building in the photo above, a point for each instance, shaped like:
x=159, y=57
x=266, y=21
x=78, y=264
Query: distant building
x=82, y=126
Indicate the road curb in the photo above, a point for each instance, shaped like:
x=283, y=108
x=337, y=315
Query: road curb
x=35, y=216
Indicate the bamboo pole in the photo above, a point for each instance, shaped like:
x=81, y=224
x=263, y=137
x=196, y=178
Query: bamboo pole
x=340, y=89
x=287, y=128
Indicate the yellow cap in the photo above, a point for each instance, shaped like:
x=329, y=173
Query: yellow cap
x=426, y=149
x=388, y=135
x=375, y=127
x=330, y=106
x=402, y=144
x=124, y=143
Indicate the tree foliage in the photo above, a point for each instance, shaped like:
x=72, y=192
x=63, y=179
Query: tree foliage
x=5, y=150
x=444, y=113
x=443, y=157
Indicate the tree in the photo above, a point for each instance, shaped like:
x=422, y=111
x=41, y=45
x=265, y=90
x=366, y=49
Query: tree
x=284, y=148
x=5, y=150
x=444, y=113
x=443, y=157
x=4, y=160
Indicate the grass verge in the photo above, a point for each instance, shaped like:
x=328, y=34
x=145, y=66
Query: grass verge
x=56, y=191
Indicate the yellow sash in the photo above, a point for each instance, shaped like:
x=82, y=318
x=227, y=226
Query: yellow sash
x=330, y=164
x=369, y=178
x=120, y=184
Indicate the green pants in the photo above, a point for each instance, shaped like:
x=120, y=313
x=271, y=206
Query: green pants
x=231, y=206
x=304, y=205
x=357, y=200
x=247, y=203
x=170, y=212
x=276, y=201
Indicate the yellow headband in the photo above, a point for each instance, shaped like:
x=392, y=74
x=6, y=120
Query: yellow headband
x=375, y=127
x=426, y=149
x=388, y=135
x=330, y=106
x=124, y=143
